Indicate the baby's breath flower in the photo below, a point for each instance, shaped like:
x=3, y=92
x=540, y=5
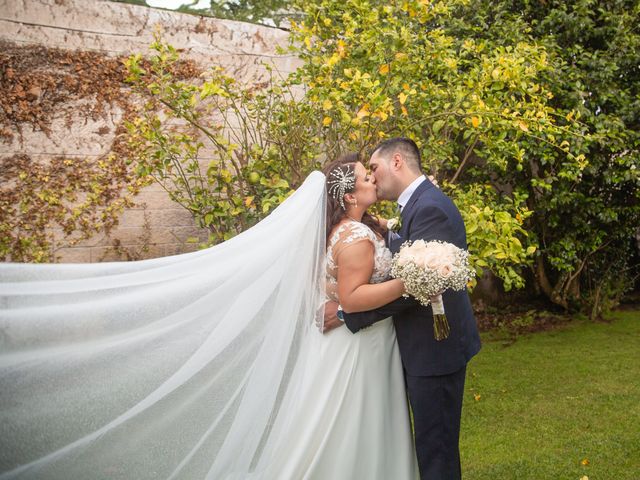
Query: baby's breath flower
x=428, y=269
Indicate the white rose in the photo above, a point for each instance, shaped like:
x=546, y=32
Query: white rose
x=445, y=271
x=404, y=256
x=428, y=260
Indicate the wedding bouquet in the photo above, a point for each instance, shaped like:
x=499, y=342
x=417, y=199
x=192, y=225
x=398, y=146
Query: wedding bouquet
x=428, y=269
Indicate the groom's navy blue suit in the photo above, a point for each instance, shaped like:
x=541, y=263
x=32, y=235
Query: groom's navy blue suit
x=434, y=370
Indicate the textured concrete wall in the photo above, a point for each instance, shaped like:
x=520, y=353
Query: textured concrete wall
x=121, y=29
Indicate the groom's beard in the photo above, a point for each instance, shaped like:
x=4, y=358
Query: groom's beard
x=382, y=195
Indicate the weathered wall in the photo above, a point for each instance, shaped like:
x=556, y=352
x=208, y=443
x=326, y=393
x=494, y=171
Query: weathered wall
x=119, y=29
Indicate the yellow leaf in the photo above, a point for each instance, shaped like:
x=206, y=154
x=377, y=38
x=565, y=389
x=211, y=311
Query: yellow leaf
x=402, y=97
x=333, y=59
x=401, y=56
x=327, y=105
x=363, y=112
x=451, y=63
x=248, y=201
x=584, y=477
x=327, y=21
x=475, y=121
x=307, y=41
x=381, y=115
x=342, y=48
x=585, y=462
x=384, y=69
x=404, y=110
x=405, y=86
x=476, y=397
x=523, y=126
x=326, y=121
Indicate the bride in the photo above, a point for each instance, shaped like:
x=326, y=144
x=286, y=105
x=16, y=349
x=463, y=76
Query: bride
x=210, y=364
x=351, y=418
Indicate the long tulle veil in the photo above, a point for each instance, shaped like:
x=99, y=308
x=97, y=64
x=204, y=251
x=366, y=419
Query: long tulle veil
x=176, y=367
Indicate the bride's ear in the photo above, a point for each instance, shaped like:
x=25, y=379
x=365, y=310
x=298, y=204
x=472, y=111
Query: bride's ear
x=349, y=199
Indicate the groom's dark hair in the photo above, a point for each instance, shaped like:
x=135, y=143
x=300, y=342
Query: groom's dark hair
x=406, y=146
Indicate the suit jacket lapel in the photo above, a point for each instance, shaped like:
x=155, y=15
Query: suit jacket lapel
x=424, y=186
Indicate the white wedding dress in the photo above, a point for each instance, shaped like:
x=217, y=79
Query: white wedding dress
x=351, y=416
x=207, y=365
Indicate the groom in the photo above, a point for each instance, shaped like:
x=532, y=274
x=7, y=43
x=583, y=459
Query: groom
x=434, y=370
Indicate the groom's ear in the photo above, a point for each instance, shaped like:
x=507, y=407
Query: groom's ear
x=396, y=161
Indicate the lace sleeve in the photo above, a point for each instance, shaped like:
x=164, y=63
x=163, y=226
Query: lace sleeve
x=350, y=234
x=345, y=236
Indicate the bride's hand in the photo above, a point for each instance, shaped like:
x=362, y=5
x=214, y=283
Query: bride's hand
x=331, y=320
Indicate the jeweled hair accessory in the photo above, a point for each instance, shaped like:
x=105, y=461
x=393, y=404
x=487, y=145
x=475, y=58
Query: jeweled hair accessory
x=341, y=180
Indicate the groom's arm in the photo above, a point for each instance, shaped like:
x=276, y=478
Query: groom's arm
x=428, y=223
x=358, y=320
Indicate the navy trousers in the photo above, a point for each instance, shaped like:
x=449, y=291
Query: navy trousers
x=436, y=403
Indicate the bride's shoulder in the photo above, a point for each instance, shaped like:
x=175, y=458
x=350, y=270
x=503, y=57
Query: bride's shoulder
x=349, y=231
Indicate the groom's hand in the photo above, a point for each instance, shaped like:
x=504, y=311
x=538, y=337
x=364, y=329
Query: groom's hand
x=331, y=320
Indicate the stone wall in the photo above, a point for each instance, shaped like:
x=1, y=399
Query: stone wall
x=156, y=223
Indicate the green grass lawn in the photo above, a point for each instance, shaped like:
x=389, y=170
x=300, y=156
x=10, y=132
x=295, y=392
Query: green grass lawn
x=561, y=404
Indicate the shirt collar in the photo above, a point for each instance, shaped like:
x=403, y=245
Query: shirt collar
x=406, y=194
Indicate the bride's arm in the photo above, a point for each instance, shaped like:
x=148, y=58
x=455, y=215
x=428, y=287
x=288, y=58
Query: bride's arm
x=356, y=294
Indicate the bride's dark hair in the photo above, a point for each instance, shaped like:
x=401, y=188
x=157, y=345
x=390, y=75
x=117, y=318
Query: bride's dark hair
x=335, y=212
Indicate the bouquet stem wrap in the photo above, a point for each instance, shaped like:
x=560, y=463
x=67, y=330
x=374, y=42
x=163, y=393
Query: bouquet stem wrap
x=427, y=270
x=441, y=327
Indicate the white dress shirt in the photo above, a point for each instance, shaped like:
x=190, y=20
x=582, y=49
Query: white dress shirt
x=406, y=194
